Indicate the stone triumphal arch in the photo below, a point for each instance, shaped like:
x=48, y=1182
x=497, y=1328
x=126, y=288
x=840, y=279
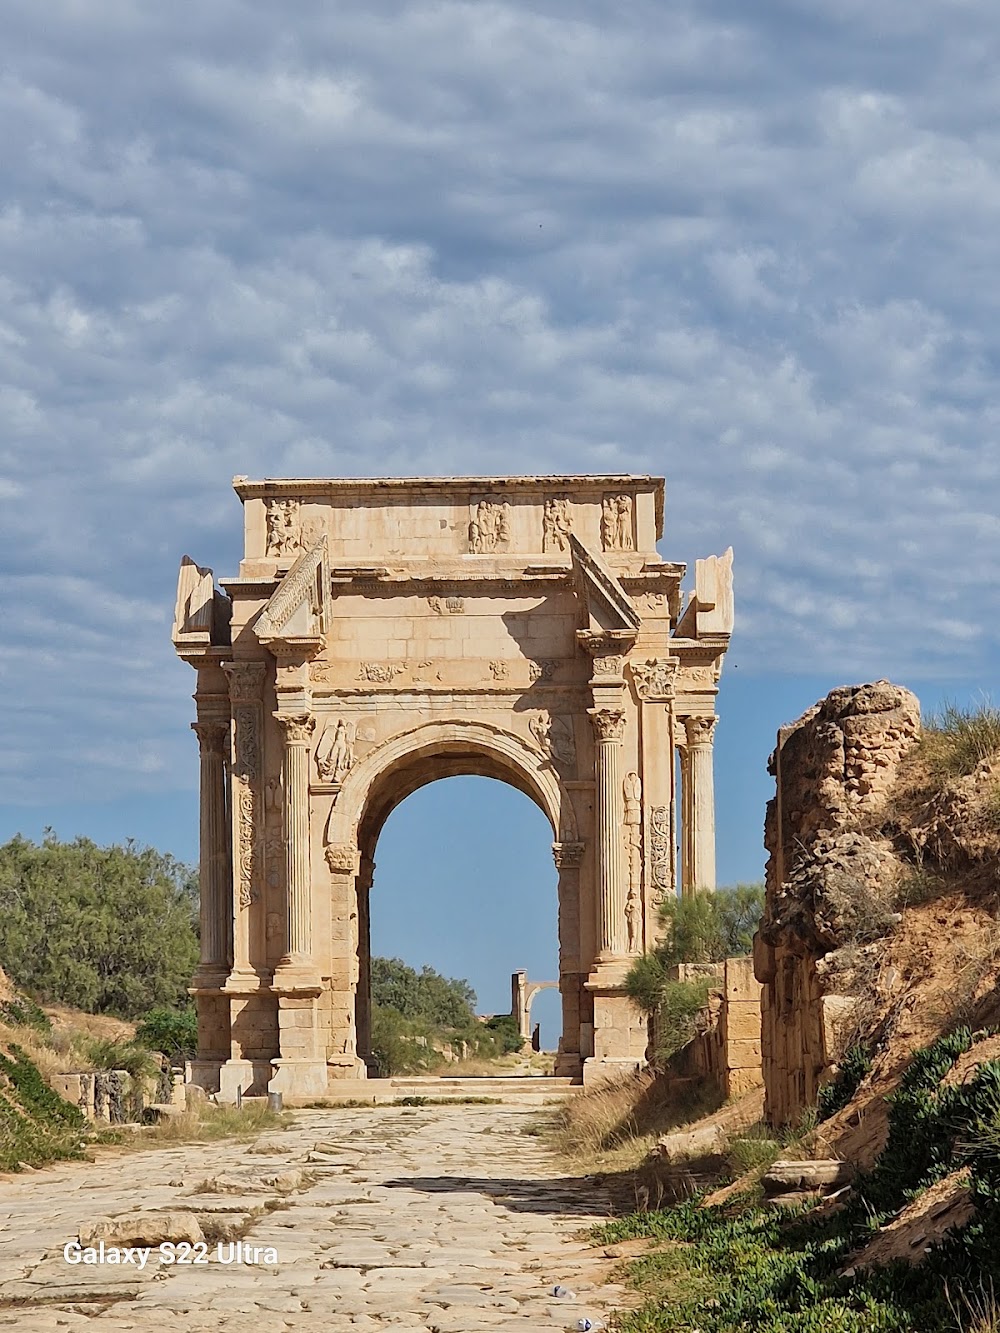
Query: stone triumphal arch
x=384, y=633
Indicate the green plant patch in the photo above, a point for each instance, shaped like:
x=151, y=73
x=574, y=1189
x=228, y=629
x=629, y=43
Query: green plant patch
x=757, y=1270
x=840, y=1090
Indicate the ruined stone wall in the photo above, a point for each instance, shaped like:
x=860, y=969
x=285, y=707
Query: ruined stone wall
x=829, y=882
x=726, y=1050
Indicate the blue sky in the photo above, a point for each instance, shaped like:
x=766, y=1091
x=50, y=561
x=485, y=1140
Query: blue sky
x=746, y=247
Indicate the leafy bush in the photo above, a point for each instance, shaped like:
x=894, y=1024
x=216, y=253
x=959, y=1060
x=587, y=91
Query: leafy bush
x=36, y=1124
x=676, y=1014
x=504, y=1027
x=25, y=1013
x=707, y=927
x=701, y=927
x=174, y=1032
x=425, y=995
x=106, y=929
x=400, y=1045
x=137, y=1061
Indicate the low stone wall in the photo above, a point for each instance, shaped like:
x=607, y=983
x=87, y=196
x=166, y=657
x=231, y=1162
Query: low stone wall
x=111, y=1096
x=727, y=1049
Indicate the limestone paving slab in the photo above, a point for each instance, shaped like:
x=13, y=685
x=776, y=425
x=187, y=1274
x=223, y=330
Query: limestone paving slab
x=443, y=1218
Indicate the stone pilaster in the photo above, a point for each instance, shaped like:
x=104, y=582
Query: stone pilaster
x=699, y=872
x=348, y=886
x=363, y=995
x=297, y=964
x=609, y=728
x=246, y=683
x=214, y=861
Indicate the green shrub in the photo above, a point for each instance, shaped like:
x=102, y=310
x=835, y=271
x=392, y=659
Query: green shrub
x=707, y=927
x=137, y=1061
x=106, y=929
x=174, y=1032
x=425, y=995
x=36, y=1124
x=834, y=1095
x=399, y=1045
x=675, y=1022
x=504, y=1029
x=24, y=1012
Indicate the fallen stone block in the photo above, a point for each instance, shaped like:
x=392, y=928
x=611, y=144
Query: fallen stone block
x=681, y=1147
x=786, y=1177
x=142, y=1229
x=157, y=1112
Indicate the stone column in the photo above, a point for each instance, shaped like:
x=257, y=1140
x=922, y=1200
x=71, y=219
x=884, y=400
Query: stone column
x=609, y=728
x=214, y=860
x=700, y=812
x=575, y=1043
x=298, y=729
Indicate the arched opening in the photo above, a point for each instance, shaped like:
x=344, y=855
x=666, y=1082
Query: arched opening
x=467, y=748
x=464, y=882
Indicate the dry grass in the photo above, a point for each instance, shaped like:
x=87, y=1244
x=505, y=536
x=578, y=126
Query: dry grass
x=211, y=1122
x=616, y=1124
x=977, y=1311
x=514, y=1065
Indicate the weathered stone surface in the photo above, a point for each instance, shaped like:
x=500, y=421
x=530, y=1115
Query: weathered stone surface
x=828, y=882
x=450, y=1219
x=684, y=1146
x=783, y=1177
x=142, y=1229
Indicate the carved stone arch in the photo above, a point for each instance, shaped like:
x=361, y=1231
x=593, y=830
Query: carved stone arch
x=411, y=759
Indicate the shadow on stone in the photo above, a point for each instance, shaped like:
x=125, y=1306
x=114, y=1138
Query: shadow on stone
x=572, y=1195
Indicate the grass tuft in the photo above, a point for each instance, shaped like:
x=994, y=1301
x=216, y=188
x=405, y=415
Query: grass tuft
x=956, y=740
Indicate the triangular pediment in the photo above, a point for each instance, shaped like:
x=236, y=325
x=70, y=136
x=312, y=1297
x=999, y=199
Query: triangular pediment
x=299, y=610
x=201, y=612
x=609, y=608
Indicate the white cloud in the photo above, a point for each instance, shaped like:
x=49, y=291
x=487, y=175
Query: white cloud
x=752, y=248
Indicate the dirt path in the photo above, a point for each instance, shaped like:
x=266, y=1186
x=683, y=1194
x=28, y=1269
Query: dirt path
x=435, y=1218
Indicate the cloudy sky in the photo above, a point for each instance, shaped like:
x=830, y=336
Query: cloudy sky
x=752, y=248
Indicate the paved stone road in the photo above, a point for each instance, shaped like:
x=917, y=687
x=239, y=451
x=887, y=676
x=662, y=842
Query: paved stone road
x=436, y=1218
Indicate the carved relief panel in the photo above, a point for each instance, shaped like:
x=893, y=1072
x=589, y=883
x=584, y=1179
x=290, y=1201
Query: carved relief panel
x=489, y=529
x=616, y=523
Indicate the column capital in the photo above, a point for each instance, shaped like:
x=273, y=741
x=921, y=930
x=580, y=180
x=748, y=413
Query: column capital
x=298, y=727
x=567, y=855
x=654, y=678
x=246, y=681
x=212, y=736
x=609, y=723
x=700, y=730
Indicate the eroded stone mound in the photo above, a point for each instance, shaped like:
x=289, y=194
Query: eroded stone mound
x=831, y=884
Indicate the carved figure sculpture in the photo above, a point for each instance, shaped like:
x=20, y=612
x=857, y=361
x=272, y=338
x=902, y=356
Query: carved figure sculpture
x=557, y=524
x=555, y=738
x=490, y=527
x=283, y=534
x=633, y=921
x=616, y=523
x=334, y=760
